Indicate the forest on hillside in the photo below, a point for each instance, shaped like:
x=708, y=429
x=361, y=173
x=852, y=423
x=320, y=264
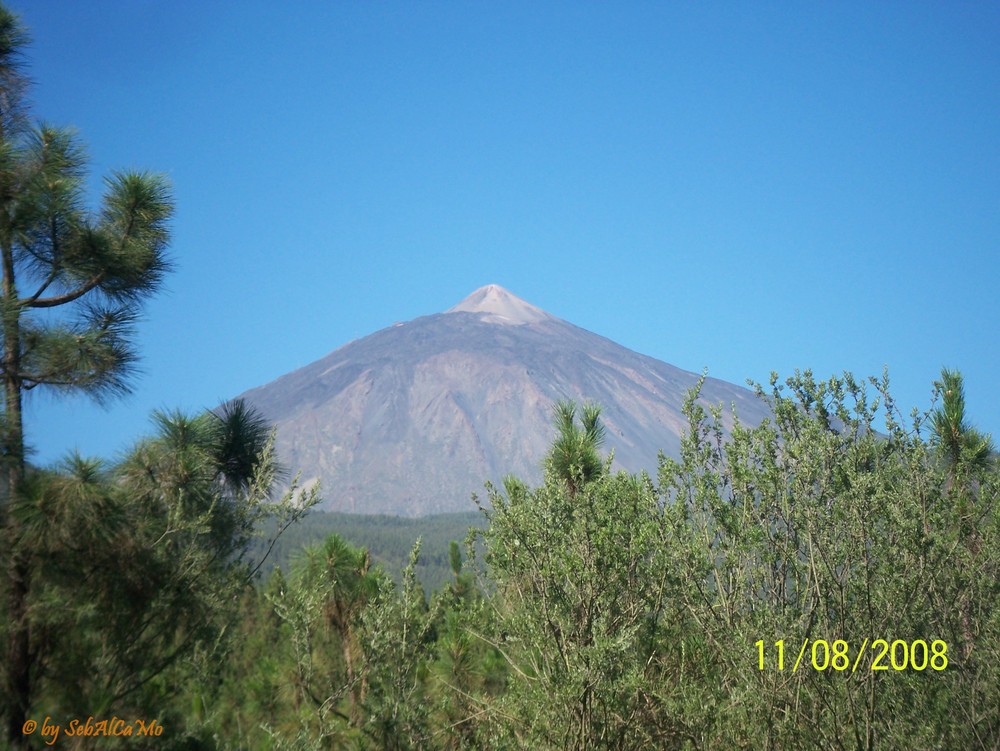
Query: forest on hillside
x=826, y=579
x=389, y=540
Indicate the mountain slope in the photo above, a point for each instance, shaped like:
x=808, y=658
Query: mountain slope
x=413, y=419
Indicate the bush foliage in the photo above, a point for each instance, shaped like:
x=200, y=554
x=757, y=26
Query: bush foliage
x=604, y=610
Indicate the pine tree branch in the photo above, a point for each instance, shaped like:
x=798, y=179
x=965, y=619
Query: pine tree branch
x=53, y=262
x=28, y=301
x=76, y=294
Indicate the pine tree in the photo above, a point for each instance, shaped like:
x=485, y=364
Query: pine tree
x=575, y=455
x=73, y=283
x=959, y=443
x=967, y=453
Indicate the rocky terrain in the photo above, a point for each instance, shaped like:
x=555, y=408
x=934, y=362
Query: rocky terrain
x=412, y=419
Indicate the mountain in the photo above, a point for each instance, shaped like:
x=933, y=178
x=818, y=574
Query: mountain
x=412, y=419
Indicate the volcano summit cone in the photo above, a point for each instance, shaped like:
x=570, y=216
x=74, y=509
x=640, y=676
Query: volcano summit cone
x=500, y=306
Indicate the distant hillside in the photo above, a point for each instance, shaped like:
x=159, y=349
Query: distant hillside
x=411, y=420
x=389, y=539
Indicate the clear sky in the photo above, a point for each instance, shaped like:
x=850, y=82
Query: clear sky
x=745, y=187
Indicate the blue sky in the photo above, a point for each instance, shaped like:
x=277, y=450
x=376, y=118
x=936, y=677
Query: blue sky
x=745, y=187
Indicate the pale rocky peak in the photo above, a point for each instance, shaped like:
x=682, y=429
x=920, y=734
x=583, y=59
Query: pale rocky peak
x=497, y=305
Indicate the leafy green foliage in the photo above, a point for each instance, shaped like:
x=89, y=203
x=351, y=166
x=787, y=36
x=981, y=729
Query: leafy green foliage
x=603, y=611
x=583, y=579
x=818, y=527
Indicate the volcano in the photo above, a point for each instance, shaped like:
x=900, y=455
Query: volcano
x=413, y=419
